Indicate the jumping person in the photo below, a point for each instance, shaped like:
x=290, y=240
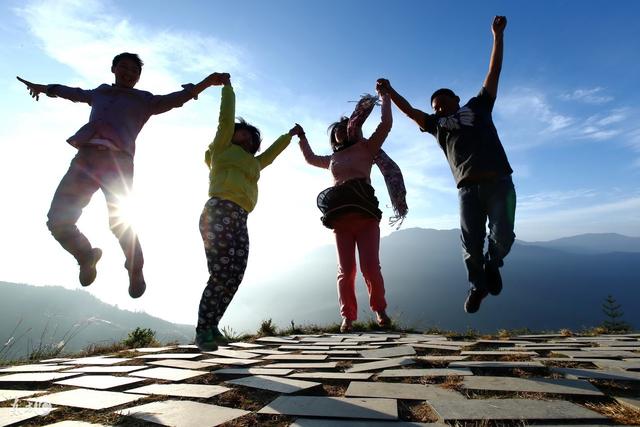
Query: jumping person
x=481, y=170
x=106, y=147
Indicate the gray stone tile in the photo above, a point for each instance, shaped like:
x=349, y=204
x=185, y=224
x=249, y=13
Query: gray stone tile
x=532, y=385
x=56, y=360
x=33, y=368
x=436, y=347
x=304, y=347
x=97, y=360
x=331, y=376
x=202, y=391
x=120, y=369
x=183, y=413
x=438, y=359
x=324, y=341
x=99, y=382
x=299, y=357
x=503, y=342
x=170, y=356
x=335, y=407
x=6, y=395
x=151, y=349
x=617, y=364
x=268, y=351
x=496, y=365
x=233, y=354
x=246, y=345
x=372, y=366
x=403, y=350
x=75, y=424
x=229, y=361
x=597, y=354
x=499, y=353
x=277, y=384
x=596, y=374
x=34, y=377
x=333, y=352
x=302, y=365
x=326, y=422
x=400, y=373
x=277, y=340
x=182, y=364
x=633, y=403
x=88, y=399
x=401, y=391
x=13, y=416
x=253, y=371
x=512, y=409
x=354, y=347
x=168, y=374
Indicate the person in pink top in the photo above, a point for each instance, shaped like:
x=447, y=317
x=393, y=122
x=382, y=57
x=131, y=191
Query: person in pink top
x=350, y=207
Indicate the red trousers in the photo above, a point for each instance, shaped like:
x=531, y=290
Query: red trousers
x=357, y=230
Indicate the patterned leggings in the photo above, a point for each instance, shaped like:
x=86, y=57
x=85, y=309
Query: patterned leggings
x=223, y=226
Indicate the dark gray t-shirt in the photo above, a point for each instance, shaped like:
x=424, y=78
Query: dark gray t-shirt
x=470, y=141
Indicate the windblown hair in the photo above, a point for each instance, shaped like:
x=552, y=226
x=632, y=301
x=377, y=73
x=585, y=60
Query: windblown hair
x=332, y=130
x=126, y=55
x=256, y=139
x=443, y=91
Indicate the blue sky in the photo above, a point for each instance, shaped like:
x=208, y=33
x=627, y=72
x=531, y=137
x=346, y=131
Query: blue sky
x=567, y=113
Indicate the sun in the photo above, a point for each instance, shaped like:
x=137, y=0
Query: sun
x=126, y=210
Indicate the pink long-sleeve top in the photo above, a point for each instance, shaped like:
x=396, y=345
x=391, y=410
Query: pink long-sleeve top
x=355, y=161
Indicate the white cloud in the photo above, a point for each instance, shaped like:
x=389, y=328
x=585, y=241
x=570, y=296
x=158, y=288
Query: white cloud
x=589, y=96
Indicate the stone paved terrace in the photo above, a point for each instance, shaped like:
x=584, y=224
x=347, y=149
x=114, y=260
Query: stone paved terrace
x=361, y=379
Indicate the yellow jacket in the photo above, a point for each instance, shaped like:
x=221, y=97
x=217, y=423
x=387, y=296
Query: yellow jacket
x=233, y=172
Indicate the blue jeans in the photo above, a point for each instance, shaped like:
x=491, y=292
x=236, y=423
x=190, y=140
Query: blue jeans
x=493, y=200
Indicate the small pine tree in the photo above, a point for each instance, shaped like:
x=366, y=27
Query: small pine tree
x=613, y=322
x=140, y=337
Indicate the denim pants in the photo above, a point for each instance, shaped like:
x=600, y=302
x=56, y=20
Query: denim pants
x=495, y=201
x=93, y=169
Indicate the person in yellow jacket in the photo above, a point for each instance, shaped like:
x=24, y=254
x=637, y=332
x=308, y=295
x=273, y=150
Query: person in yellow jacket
x=234, y=170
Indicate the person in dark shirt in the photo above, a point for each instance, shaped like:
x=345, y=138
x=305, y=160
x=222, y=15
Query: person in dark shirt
x=480, y=168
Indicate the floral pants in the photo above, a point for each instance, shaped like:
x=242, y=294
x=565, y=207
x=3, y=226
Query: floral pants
x=223, y=226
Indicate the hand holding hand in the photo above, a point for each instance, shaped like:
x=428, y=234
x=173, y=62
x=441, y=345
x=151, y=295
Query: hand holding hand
x=34, y=89
x=297, y=130
x=498, y=25
x=219, y=79
x=383, y=86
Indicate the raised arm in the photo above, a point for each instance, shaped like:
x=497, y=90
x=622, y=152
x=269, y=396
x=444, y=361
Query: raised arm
x=163, y=103
x=226, y=121
x=386, y=121
x=274, y=150
x=418, y=116
x=309, y=155
x=71, y=93
x=495, y=63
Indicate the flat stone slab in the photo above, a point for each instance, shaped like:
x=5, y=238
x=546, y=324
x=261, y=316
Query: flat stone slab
x=182, y=364
x=267, y=351
x=6, y=395
x=336, y=407
x=403, y=350
x=233, y=354
x=229, y=361
x=333, y=352
x=13, y=416
x=253, y=371
x=277, y=340
x=617, y=364
x=170, y=356
x=75, y=424
x=372, y=366
x=326, y=422
x=121, y=369
x=304, y=347
x=246, y=345
x=303, y=357
x=303, y=365
x=633, y=403
x=151, y=349
x=34, y=377
x=331, y=376
x=99, y=382
x=183, y=413
x=400, y=373
x=202, y=391
x=499, y=353
x=95, y=360
x=277, y=384
x=438, y=359
x=33, y=368
x=168, y=374
x=88, y=399
x=401, y=391
x=532, y=385
x=597, y=354
x=436, y=347
x=596, y=374
x=512, y=409
x=496, y=365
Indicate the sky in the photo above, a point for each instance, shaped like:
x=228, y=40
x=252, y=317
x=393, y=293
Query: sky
x=566, y=112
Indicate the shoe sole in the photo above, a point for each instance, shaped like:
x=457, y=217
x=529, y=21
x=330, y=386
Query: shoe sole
x=97, y=254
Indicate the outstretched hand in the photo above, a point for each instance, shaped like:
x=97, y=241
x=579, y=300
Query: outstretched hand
x=34, y=89
x=383, y=86
x=297, y=130
x=219, y=79
x=498, y=25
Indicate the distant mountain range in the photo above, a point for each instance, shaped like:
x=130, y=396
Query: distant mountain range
x=547, y=285
x=33, y=314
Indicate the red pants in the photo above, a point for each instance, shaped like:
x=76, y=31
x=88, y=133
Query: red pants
x=353, y=230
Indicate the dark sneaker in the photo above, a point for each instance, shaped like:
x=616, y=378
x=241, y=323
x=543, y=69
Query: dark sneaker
x=88, y=267
x=137, y=285
x=346, y=326
x=475, y=297
x=210, y=339
x=493, y=278
x=382, y=319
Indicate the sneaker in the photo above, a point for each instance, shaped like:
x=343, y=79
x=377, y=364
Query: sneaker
x=88, y=267
x=493, y=278
x=475, y=297
x=346, y=326
x=382, y=319
x=210, y=339
x=137, y=285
